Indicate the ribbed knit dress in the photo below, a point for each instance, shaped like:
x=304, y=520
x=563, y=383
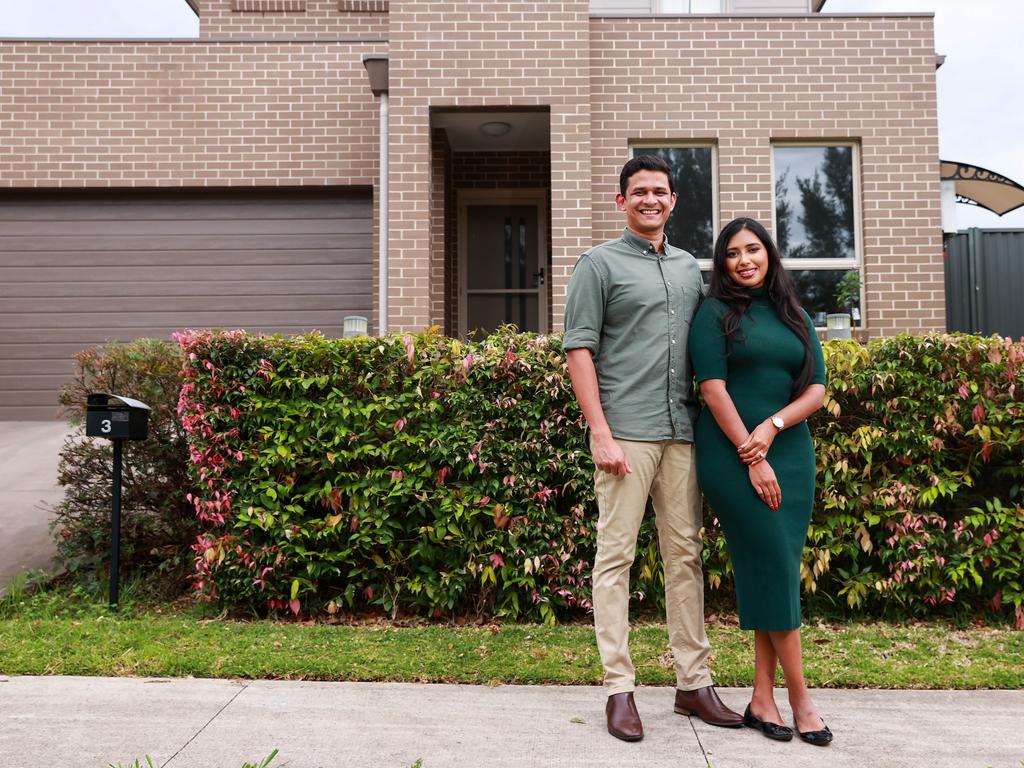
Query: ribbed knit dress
x=765, y=545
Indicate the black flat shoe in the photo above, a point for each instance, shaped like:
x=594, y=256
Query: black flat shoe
x=771, y=730
x=820, y=738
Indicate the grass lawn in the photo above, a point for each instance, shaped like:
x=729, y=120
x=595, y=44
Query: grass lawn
x=61, y=633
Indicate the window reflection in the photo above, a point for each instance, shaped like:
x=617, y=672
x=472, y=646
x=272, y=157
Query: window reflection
x=814, y=202
x=821, y=293
x=691, y=225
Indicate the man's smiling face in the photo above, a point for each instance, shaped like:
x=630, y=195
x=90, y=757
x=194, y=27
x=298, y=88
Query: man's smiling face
x=648, y=202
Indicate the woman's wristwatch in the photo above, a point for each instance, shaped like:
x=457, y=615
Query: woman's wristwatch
x=778, y=423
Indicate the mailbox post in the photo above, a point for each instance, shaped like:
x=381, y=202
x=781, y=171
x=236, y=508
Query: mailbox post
x=116, y=418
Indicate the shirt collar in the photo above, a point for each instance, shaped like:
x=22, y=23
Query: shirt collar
x=643, y=245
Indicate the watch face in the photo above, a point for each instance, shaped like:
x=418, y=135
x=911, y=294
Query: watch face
x=778, y=422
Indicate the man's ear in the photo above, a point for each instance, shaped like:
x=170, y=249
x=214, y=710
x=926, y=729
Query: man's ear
x=620, y=202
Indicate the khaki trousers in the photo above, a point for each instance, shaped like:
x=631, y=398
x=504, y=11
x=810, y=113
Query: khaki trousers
x=667, y=471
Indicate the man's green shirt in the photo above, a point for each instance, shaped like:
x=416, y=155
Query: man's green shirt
x=632, y=308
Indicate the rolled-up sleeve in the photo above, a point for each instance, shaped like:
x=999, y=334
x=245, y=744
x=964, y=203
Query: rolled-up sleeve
x=584, y=307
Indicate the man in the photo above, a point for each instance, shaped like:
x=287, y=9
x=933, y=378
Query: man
x=628, y=310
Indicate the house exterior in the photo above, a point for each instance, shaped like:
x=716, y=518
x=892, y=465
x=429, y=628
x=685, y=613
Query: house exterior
x=258, y=177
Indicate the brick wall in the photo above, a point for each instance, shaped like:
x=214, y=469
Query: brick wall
x=443, y=271
x=186, y=114
x=513, y=53
x=746, y=82
x=502, y=170
x=306, y=19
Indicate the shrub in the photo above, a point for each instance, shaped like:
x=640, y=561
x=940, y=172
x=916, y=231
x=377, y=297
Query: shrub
x=428, y=475
x=920, y=468
x=157, y=521
x=413, y=473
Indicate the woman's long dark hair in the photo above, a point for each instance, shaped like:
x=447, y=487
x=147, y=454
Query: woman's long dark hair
x=779, y=287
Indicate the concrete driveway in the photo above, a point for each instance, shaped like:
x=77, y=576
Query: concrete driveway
x=29, y=452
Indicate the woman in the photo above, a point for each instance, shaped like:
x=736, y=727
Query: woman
x=761, y=373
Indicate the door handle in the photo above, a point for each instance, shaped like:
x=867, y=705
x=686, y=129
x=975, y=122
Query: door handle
x=538, y=278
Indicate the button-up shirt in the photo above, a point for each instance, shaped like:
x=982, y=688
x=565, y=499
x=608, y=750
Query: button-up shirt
x=631, y=306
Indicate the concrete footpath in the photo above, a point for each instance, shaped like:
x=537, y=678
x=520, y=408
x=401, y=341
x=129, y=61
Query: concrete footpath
x=189, y=723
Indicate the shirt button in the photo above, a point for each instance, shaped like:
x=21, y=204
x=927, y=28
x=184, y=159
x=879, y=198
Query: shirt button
x=668, y=284
x=672, y=370
x=671, y=311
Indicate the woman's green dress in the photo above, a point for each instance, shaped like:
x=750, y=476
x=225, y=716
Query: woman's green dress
x=765, y=545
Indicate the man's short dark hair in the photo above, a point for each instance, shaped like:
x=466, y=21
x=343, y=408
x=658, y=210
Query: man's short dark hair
x=645, y=163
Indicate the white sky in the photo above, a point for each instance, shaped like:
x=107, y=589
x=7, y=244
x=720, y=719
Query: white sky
x=981, y=109
x=97, y=18
x=980, y=87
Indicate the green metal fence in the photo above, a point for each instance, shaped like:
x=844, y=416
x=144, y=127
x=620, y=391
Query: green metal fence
x=985, y=282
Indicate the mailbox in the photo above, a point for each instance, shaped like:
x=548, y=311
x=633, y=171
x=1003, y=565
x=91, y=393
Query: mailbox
x=116, y=417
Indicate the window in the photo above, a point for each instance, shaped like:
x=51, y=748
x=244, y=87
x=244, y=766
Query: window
x=692, y=223
x=688, y=6
x=816, y=226
x=656, y=6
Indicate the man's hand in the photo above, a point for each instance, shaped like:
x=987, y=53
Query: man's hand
x=608, y=456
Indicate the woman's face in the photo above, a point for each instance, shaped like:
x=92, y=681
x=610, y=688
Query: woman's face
x=746, y=260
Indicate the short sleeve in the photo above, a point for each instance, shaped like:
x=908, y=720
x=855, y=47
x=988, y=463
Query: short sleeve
x=708, y=352
x=816, y=355
x=584, y=307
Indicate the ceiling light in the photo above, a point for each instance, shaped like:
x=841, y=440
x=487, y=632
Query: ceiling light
x=495, y=128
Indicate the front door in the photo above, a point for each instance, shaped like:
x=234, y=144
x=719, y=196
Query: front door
x=504, y=261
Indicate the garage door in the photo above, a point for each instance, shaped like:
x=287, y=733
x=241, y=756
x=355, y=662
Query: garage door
x=80, y=269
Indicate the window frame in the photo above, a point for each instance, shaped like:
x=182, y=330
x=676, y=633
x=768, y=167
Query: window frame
x=846, y=264
x=711, y=144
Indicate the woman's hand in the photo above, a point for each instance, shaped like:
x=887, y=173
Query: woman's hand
x=755, y=447
x=762, y=477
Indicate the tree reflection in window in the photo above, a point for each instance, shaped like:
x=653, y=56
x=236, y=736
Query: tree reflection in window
x=814, y=202
x=691, y=225
x=814, y=219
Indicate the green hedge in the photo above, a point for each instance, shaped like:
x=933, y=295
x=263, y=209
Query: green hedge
x=423, y=475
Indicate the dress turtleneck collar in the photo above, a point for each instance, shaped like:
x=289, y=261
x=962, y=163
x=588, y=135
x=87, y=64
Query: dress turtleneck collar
x=761, y=292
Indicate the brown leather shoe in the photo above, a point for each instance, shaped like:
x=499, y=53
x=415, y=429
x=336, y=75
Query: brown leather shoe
x=705, y=704
x=623, y=719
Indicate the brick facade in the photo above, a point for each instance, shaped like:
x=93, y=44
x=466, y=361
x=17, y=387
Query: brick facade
x=274, y=93
x=449, y=54
x=300, y=19
x=744, y=83
x=186, y=114
x=443, y=266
